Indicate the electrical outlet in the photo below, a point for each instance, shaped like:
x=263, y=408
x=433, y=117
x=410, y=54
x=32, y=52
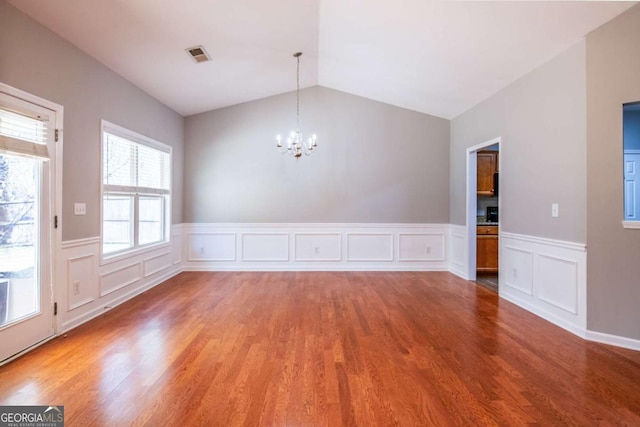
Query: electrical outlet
x=316, y=250
x=428, y=250
x=76, y=288
x=555, y=210
x=202, y=250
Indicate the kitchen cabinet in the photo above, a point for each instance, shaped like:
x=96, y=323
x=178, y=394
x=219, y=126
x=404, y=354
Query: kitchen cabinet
x=487, y=166
x=487, y=249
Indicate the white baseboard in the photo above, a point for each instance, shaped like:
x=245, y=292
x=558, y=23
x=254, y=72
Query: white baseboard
x=289, y=267
x=631, y=344
x=550, y=317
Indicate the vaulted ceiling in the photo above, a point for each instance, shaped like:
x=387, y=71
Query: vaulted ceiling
x=435, y=57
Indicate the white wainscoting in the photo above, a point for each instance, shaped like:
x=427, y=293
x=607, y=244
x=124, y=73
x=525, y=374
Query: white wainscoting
x=547, y=277
x=177, y=241
x=544, y=276
x=202, y=246
x=87, y=286
x=316, y=247
x=369, y=247
x=114, y=279
x=458, y=252
x=270, y=246
x=81, y=270
x=422, y=246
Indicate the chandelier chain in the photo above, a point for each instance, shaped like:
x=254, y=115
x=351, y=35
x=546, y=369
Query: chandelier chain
x=295, y=143
x=298, y=93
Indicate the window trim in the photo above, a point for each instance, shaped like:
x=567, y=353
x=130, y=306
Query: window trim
x=136, y=192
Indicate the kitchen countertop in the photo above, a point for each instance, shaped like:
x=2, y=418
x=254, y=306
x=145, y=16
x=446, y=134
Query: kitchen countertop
x=488, y=223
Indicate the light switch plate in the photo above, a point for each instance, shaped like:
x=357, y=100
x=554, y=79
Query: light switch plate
x=555, y=212
x=80, y=209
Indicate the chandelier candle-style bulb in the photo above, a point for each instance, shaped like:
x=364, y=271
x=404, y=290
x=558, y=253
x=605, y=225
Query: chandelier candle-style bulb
x=296, y=144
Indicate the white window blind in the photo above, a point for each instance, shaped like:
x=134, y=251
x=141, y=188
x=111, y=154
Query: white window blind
x=129, y=165
x=136, y=190
x=22, y=134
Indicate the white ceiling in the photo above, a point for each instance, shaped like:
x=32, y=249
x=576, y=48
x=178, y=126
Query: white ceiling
x=436, y=57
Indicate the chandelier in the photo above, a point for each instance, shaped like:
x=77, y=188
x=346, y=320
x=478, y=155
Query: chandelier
x=296, y=145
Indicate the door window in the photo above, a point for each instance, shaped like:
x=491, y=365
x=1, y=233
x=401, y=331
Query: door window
x=631, y=164
x=19, y=219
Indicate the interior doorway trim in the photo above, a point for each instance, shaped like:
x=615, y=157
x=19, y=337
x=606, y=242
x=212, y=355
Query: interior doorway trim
x=471, y=208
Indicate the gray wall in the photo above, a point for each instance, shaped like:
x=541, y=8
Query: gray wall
x=37, y=61
x=613, y=270
x=374, y=163
x=542, y=121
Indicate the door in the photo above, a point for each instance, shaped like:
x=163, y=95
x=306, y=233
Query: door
x=27, y=154
x=631, y=187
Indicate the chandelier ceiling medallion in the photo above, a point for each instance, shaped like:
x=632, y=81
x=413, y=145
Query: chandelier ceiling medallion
x=296, y=144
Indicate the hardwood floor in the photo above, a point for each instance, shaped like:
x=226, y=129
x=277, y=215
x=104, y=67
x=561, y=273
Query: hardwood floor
x=313, y=349
x=488, y=280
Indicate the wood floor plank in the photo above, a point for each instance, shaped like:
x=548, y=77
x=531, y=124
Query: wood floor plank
x=325, y=349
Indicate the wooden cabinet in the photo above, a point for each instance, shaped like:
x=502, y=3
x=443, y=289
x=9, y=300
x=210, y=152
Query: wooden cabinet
x=487, y=166
x=487, y=249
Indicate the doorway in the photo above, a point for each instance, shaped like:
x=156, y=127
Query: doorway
x=483, y=201
x=27, y=206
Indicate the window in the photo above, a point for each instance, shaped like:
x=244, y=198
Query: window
x=631, y=165
x=136, y=195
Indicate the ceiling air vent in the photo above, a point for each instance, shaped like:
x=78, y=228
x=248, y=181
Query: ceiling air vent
x=198, y=54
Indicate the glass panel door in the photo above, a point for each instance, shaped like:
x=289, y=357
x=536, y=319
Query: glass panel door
x=26, y=183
